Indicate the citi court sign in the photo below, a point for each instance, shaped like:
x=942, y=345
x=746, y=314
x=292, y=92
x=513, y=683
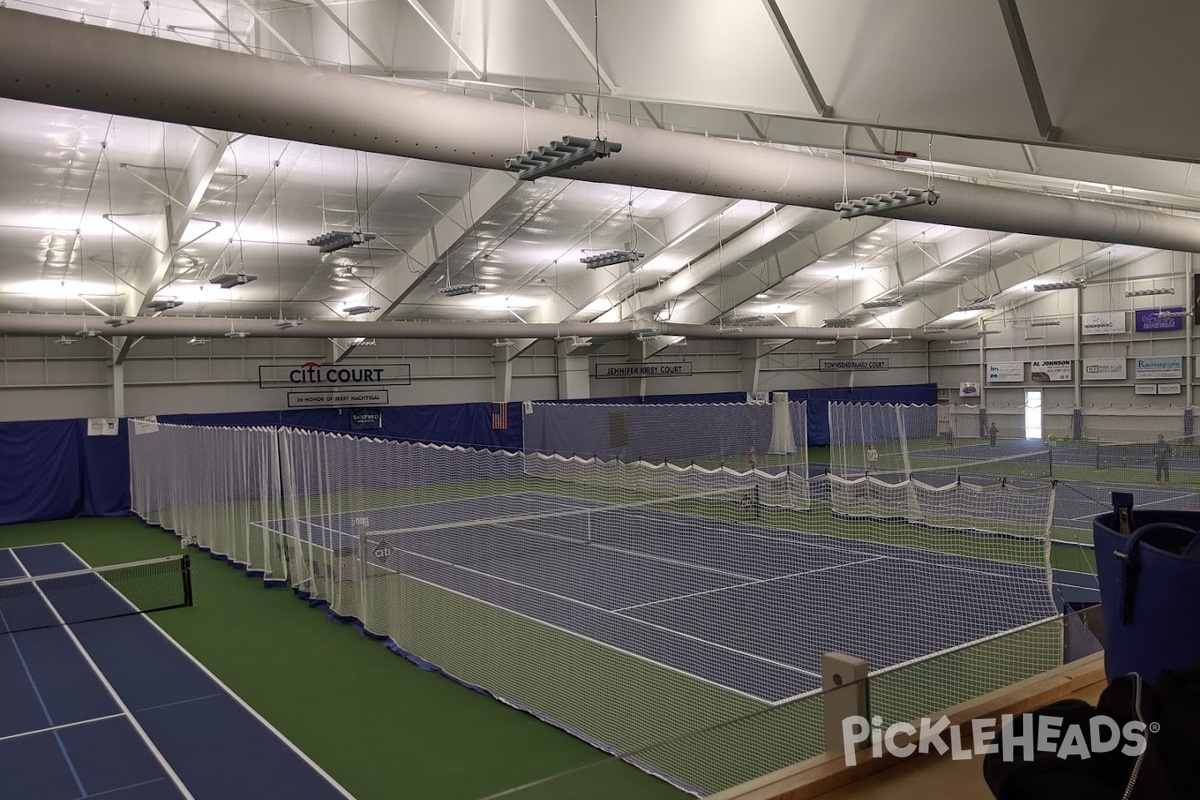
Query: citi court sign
x=1048, y=734
x=313, y=375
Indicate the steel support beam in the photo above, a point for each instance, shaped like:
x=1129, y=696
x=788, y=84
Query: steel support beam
x=205, y=157
x=606, y=81
x=793, y=51
x=459, y=53
x=427, y=256
x=1033, y=86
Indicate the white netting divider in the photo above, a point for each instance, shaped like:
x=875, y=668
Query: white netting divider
x=896, y=431
x=707, y=434
x=211, y=485
x=628, y=603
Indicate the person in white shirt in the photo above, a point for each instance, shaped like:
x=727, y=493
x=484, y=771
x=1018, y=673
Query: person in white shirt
x=872, y=458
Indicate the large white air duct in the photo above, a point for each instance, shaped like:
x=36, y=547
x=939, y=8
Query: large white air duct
x=65, y=63
x=68, y=324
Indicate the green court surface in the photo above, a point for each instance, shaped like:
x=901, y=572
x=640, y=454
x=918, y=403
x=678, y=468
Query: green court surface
x=379, y=725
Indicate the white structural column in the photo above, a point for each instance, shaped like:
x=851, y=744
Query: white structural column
x=207, y=151
x=574, y=376
x=117, y=407
x=502, y=370
x=485, y=195
x=749, y=361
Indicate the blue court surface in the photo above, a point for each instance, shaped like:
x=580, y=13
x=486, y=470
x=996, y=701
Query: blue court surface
x=113, y=708
x=752, y=611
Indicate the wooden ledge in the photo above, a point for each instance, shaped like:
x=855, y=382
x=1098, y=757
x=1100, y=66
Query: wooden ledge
x=828, y=772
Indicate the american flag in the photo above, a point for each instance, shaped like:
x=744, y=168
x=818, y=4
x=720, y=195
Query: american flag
x=499, y=416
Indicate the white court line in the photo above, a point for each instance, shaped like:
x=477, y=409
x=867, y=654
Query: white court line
x=561, y=629
x=316, y=768
x=1173, y=498
x=588, y=605
x=60, y=727
x=634, y=553
x=104, y=680
x=750, y=583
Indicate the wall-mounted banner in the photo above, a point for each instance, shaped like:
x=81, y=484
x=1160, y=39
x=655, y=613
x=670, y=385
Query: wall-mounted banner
x=1006, y=371
x=1104, y=369
x=1148, y=369
x=1170, y=388
x=1145, y=388
x=347, y=397
x=662, y=369
x=1103, y=322
x=1153, y=320
x=968, y=390
x=854, y=364
x=366, y=419
x=1043, y=371
x=102, y=426
x=311, y=375
x=142, y=425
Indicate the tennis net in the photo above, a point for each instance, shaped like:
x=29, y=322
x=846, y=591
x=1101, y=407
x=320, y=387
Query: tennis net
x=939, y=469
x=66, y=598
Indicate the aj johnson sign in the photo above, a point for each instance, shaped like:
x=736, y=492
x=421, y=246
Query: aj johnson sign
x=311, y=375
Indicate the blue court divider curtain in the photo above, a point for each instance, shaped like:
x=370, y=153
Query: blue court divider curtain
x=52, y=469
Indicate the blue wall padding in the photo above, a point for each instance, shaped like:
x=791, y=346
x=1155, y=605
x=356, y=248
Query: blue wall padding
x=51, y=469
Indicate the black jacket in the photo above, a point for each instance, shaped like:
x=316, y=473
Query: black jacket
x=1168, y=767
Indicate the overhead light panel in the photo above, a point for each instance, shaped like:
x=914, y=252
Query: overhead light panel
x=611, y=257
x=963, y=341
x=359, y=309
x=979, y=305
x=198, y=340
x=287, y=324
x=1078, y=283
x=936, y=329
x=826, y=342
x=65, y=340
x=340, y=240
x=887, y=201
x=724, y=331
x=117, y=322
x=460, y=289
x=884, y=302
x=503, y=343
x=680, y=342
x=839, y=322
x=646, y=337
x=230, y=280
x=236, y=335
x=743, y=319
x=87, y=334
x=645, y=330
x=570, y=151
x=163, y=305
x=1044, y=323
x=360, y=342
x=1171, y=314
x=1148, y=292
